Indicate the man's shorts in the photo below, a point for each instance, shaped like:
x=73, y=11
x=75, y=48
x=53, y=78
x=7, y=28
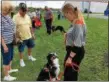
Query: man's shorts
x=29, y=43
x=7, y=57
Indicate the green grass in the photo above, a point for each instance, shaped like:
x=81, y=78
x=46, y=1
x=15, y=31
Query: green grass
x=93, y=67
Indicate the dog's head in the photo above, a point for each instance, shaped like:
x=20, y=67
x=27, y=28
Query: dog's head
x=53, y=59
x=51, y=70
x=53, y=28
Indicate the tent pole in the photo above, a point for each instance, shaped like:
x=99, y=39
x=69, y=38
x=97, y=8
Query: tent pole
x=16, y=3
x=88, y=10
x=83, y=6
x=31, y=3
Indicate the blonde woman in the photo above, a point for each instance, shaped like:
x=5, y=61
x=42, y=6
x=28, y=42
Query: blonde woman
x=74, y=41
x=7, y=32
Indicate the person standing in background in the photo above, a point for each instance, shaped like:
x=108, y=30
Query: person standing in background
x=59, y=14
x=38, y=14
x=48, y=17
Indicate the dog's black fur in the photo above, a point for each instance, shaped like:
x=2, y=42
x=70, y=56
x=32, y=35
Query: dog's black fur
x=49, y=69
x=60, y=28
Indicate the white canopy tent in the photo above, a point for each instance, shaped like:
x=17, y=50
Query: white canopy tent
x=40, y=4
x=57, y=3
x=91, y=0
x=96, y=7
x=77, y=4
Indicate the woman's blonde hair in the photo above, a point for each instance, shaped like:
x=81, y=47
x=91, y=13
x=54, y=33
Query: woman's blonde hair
x=6, y=7
x=68, y=7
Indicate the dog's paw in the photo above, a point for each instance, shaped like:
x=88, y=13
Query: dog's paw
x=46, y=69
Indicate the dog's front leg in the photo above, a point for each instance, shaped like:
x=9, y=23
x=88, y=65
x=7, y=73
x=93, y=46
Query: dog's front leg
x=57, y=72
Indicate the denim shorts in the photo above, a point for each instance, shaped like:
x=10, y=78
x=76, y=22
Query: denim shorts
x=29, y=43
x=7, y=57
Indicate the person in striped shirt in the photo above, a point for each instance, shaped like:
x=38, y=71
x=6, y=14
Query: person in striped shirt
x=74, y=41
x=7, y=32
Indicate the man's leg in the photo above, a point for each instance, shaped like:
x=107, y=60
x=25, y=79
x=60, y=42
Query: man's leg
x=21, y=47
x=21, y=55
x=29, y=51
x=46, y=22
x=49, y=25
x=30, y=44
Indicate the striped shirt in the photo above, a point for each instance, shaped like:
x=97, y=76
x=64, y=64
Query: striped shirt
x=76, y=35
x=38, y=14
x=7, y=29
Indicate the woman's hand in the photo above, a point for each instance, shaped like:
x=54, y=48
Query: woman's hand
x=5, y=49
x=68, y=62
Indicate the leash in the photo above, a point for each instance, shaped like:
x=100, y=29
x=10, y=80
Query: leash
x=73, y=65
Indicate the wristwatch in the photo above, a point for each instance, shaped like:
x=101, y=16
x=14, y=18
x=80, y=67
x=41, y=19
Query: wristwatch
x=70, y=57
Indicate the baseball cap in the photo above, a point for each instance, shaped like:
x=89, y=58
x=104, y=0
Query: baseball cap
x=23, y=7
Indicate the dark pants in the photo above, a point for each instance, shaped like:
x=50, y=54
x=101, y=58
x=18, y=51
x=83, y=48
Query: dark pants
x=48, y=25
x=59, y=16
x=69, y=73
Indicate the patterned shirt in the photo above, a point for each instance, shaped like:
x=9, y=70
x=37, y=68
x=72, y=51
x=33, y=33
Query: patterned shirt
x=76, y=35
x=7, y=29
x=48, y=14
x=38, y=14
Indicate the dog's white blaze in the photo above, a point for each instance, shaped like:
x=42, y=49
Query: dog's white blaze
x=56, y=63
x=57, y=72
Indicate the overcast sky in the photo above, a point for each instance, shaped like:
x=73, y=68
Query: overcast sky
x=95, y=6
x=42, y=4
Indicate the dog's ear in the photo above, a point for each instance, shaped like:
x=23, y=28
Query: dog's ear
x=49, y=56
x=55, y=54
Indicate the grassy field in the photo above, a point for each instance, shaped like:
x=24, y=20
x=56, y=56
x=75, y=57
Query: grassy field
x=93, y=67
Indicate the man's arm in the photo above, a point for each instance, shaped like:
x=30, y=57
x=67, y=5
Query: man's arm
x=65, y=35
x=51, y=14
x=32, y=33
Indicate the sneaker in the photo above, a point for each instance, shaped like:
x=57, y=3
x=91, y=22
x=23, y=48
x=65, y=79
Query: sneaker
x=9, y=78
x=31, y=58
x=13, y=70
x=22, y=64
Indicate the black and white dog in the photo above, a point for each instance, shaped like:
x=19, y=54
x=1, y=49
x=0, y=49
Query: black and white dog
x=60, y=28
x=51, y=70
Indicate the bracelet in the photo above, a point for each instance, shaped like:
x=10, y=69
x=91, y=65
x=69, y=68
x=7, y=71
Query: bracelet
x=70, y=57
